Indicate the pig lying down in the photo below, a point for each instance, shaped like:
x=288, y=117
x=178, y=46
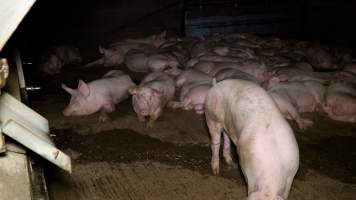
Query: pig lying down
x=268, y=151
x=101, y=94
x=153, y=94
x=115, y=53
x=297, y=97
x=340, y=102
x=193, y=97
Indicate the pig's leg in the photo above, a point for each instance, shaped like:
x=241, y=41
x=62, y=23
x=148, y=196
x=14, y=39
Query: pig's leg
x=288, y=186
x=153, y=118
x=303, y=123
x=107, y=108
x=215, y=129
x=227, y=151
x=199, y=109
x=174, y=104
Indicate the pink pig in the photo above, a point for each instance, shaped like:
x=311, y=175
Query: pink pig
x=230, y=73
x=192, y=75
x=267, y=148
x=297, y=97
x=194, y=98
x=116, y=52
x=101, y=94
x=340, y=102
x=153, y=94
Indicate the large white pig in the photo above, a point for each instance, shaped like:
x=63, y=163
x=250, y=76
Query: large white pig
x=267, y=148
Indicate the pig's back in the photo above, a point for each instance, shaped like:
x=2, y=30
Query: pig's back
x=251, y=100
x=246, y=111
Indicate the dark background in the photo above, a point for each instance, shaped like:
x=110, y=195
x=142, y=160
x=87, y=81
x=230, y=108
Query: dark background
x=58, y=21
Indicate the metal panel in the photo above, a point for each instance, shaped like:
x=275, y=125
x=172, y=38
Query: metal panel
x=11, y=14
x=30, y=129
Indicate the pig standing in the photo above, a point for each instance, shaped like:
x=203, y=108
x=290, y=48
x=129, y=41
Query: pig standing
x=150, y=97
x=101, y=94
x=268, y=151
x=52, y=61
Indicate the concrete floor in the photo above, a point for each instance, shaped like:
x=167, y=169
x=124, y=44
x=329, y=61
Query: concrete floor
x=122, y=159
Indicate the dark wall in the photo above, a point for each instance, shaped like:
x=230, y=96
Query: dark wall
x=331, y=22
x=59, y=21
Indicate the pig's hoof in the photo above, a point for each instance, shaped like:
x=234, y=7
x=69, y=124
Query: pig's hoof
x=215, y=168
x=103, y=118
x=305, y=123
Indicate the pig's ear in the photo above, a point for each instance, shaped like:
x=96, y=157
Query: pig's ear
x=156, y=92
x=83, y=88
x=133, y=90
x=67, y=89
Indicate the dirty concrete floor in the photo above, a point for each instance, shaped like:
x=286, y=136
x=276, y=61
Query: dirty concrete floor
x=122, y=159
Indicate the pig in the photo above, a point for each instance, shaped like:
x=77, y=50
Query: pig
x=241, y=52
x=141, y=61
x=194, y=98
x=320, y=58
x=340, y=102
x=150, y=97
x=192, y=75
x=52, y=61
x=217, y=58
x=137, y=60
x=50, y=64
x=297, y=97
x=252, y=67
x=212, y=57
x=101, y=94
x=230, y=73
x=265, y=142
x=115, y=54
x=156, y=39
x=297, y=74
x=202, y=47
x=162, y=61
